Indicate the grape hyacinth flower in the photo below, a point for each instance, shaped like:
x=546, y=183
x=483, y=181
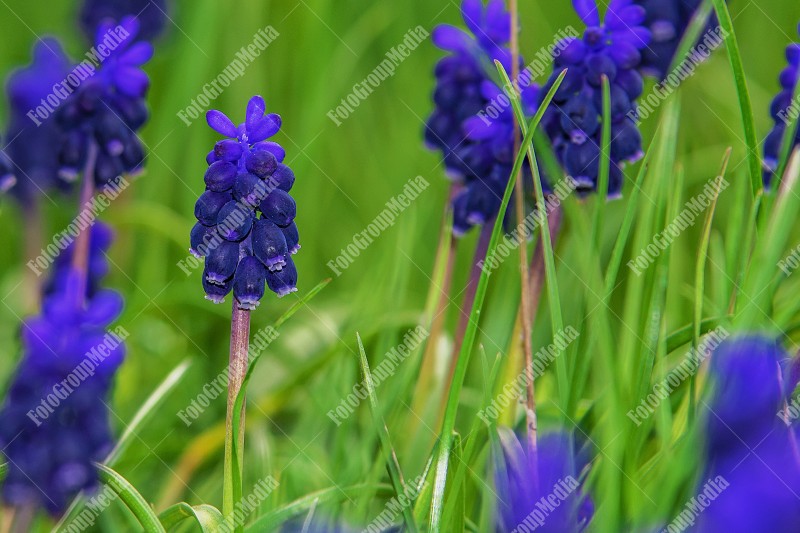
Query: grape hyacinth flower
x=751, y=454
x=35, y=170
x=525, y=476
x=151, y=14
x=245, y=219
x=610, y=48
x=472, y=124
x=102, y=117
x=667, y=21
x=54, y=424
x=783, y=111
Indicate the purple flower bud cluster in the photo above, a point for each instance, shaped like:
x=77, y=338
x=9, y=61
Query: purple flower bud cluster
x=107, y=110
x=54, y=423
x=7, y=177
x=34, y=170
x=524, y=477
x=245, y=219
x=473, y=122
x=667, y=21
x=152, y=14
x=784, y=111
x=573, y=122
x=751, y=452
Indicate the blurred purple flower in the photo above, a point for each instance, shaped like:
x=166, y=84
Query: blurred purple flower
x=751, y=454
x=243, y=251
x=54, y=423
x=34, y=162
x=667, y=21
x=783, y=111
x=573, y=122
x=525, y=478
x=473, y=122
x=151, y=14
x=108, y=108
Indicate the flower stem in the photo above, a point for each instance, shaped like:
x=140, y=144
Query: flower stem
x=32, y=215
x=526, y=304
x=80, y=255
x=237, y=369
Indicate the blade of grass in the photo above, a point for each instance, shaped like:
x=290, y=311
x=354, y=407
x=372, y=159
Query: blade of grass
x=700, y=280
x=745, y=103
x=131, y=498
x=554, y=299
x=207, y=517
x=331, y=495
x=448, y=424
x=392, y=465
x=601, y=198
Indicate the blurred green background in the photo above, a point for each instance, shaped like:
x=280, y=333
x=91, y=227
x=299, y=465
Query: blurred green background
x=345, y=174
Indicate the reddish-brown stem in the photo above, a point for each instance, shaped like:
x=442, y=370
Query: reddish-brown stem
x=33, y=246
x=80, y=254
x=237, y=370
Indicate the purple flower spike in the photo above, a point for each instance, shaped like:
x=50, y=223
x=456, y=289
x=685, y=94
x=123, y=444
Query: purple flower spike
x=33, y=170
x=610, y=49
x=51, y=457
x=246, y=216
x=470, y=126
x=782, y=109
x=107, y=109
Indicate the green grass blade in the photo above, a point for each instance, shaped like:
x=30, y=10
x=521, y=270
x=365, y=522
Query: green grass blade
x=132, y=499
x=551, y=280
x=331, y=495
x=392, y=465
x=448, y=425
x=745, y=103
x=207, y=517
x=147, y=411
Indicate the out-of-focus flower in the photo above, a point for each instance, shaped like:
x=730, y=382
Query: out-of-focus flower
x=54, y=424
x=611, y=48
x=667, y=21
x=525, y=477
x=34, y=161
x=751, y=454
x=7, y=177
x=245, y=227
x=473, y=122
x=152, y=15
x=108, y=108
x=783, y=111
